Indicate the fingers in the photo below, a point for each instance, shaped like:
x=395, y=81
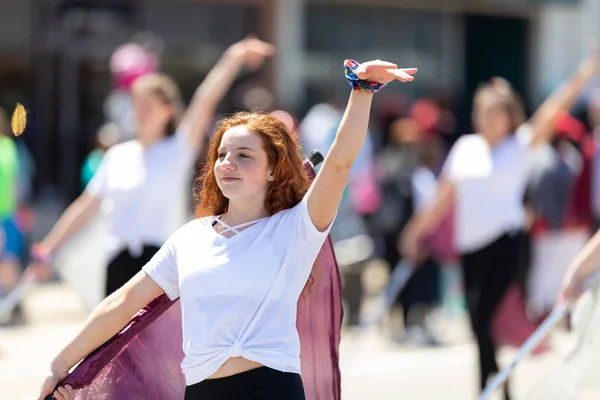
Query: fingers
x=258, y=46
x=410, y=70
x=383, y=71
x=265, y=48
x=361, y=71
x=44, y=390
x=63, y=393
x=401, y=75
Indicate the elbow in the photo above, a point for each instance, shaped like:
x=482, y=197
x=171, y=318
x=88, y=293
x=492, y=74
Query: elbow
x=121, y=304
x=342, y=163
x=114, y=302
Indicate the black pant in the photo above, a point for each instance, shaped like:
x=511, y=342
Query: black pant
x=488, y=273
x=257, y=384
x=124, y=267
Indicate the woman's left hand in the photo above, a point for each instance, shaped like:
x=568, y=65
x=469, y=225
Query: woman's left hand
x=409, y=246
x=384, y=72
x=252, y=51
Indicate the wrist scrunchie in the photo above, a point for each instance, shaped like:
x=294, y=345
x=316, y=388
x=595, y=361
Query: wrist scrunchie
x=356, y=83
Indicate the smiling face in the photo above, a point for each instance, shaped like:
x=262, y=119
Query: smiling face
x=242, y=169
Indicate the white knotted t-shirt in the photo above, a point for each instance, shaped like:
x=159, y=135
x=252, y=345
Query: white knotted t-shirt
x=239, y=294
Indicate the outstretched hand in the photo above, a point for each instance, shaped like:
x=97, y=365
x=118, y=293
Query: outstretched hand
x=252, y=51
x=384, y=72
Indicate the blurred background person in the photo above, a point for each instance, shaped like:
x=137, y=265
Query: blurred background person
x=406, y=181
x=137, y=177
x=561, y=221
x=485, y=176
x=11, y=251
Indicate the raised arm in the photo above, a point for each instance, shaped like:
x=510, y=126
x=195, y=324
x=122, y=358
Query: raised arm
x=325, y=193
x=199, y=114
x=563, y=98
x=75, y=217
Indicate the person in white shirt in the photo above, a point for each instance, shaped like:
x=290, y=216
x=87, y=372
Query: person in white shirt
x=484, y=178
x=240, y=267
x=138, y=177
x=586, y=262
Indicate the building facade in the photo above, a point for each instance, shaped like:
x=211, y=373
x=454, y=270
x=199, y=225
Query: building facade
x=54, y=53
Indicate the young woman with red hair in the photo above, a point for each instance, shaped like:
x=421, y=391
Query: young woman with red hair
x=240, y=267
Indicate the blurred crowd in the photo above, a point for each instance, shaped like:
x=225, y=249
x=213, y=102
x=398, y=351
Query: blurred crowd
x=395, y=175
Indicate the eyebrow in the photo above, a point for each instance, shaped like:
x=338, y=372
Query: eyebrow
x=239, y=148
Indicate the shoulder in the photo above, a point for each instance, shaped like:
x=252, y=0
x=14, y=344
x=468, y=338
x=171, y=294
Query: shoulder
x=122, y=149
x=195, y=225
x=524, y=134
x=194, y=230
x=468, y=143
x=285, y=220
x=468, y=140
x=288, y=211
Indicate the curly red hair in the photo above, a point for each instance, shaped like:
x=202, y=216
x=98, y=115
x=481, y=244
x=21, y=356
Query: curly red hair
x=283, y=154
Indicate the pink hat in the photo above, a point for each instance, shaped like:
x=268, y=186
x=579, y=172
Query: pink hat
x=129, y=62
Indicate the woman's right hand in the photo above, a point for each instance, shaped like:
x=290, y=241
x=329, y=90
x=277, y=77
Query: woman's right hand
x=571, y=288
x=409, y=245
x=41, y=271
x=41, y=265
x=49, y=387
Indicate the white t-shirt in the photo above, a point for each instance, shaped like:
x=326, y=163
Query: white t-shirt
x=145, y=191
x=489, y=185
x=239, y=295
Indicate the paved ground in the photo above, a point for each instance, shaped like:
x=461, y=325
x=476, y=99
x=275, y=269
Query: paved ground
x=375, y=369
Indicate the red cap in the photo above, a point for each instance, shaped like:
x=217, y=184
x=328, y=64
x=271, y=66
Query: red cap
x=568, y=127
x=426, y=113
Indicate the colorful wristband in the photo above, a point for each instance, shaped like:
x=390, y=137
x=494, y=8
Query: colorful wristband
x=350, y=67
x=40, y=254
